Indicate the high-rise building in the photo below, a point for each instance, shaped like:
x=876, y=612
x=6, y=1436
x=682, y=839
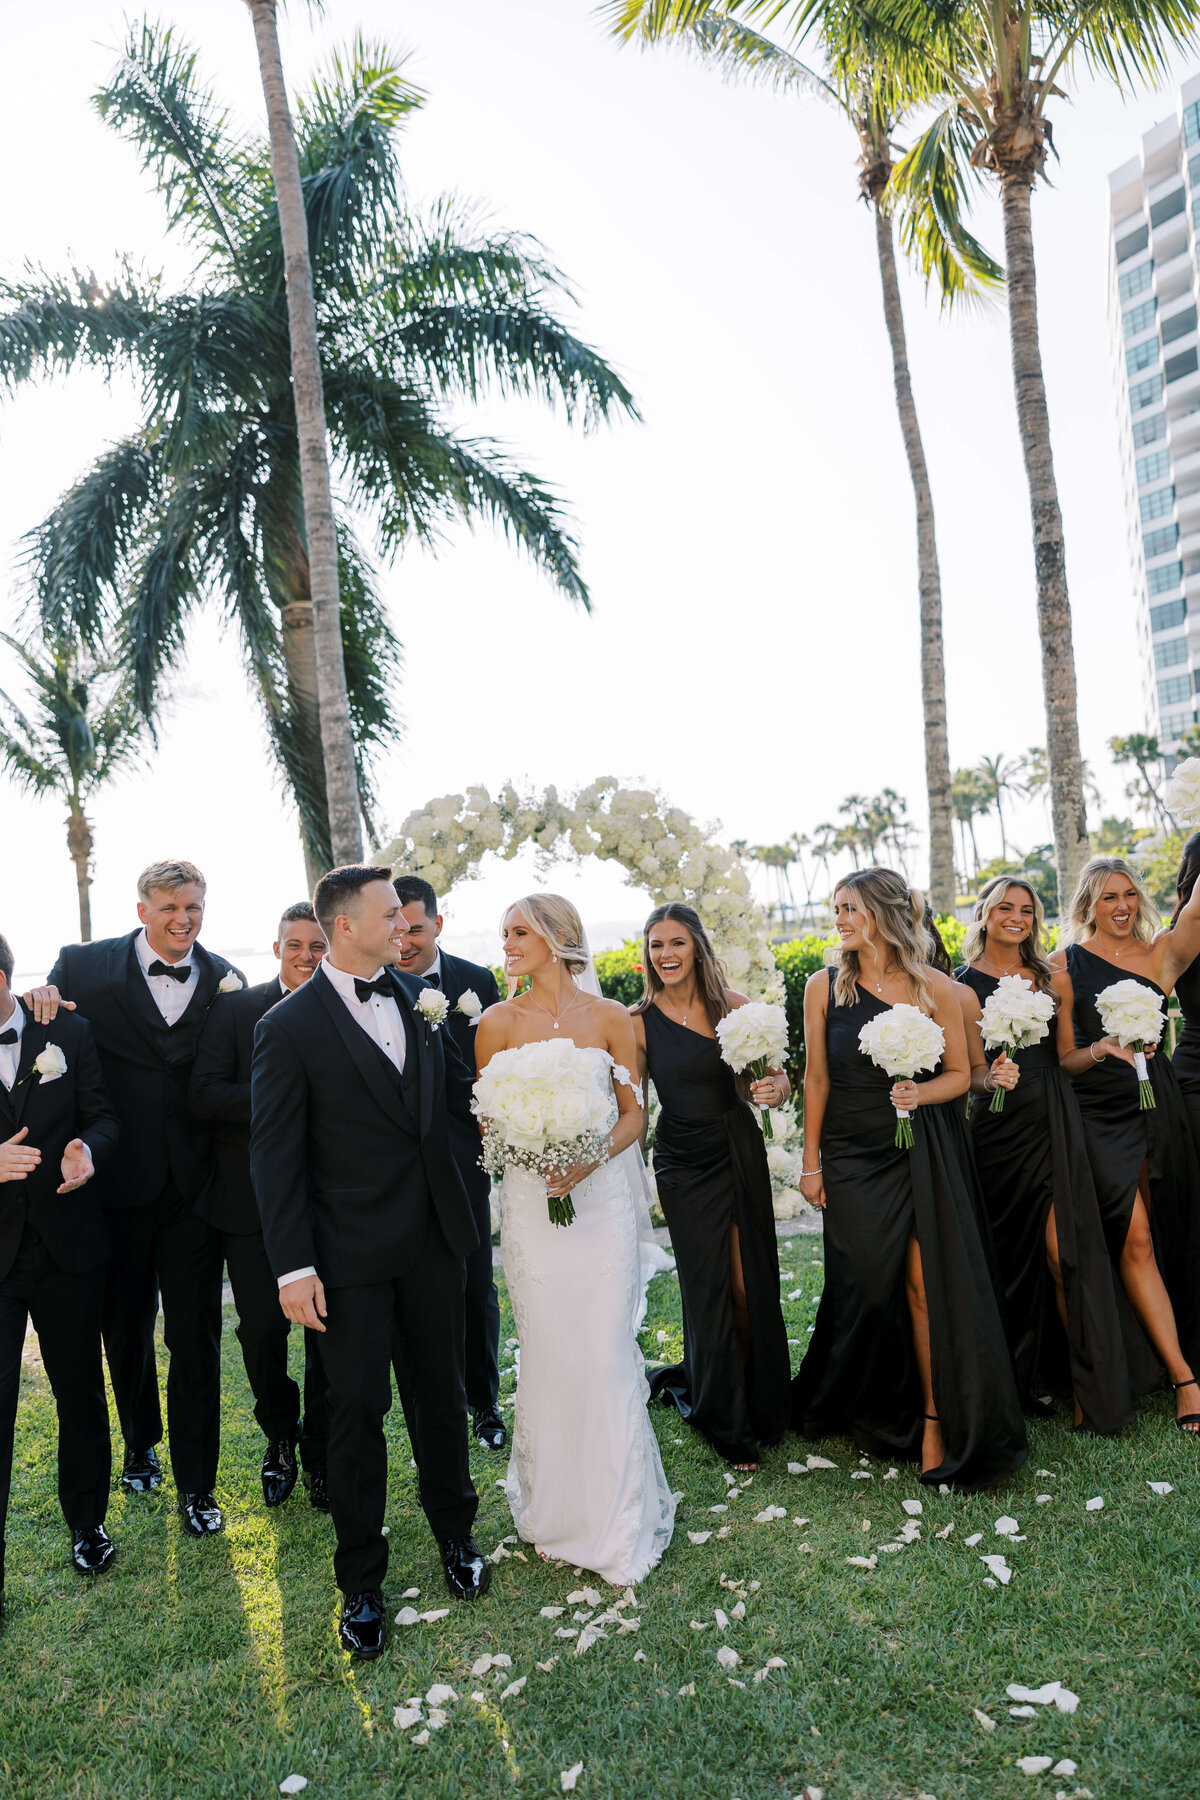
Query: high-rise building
x=1154, y=284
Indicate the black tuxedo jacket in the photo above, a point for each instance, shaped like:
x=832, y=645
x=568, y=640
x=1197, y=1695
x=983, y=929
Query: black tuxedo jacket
x=457, y=976
x=146, y=1065
x=74, y=1105
x=219, y=1093
x=347, y=1158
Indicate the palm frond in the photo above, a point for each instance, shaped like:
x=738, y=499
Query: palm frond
x=166, y=586
x=932, y=188
x=51, y=323
x=711, y=33
x=77, y=557
x=206, y=358
x=452, y=252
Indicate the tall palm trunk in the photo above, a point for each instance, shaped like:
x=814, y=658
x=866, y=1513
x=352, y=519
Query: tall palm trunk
x=1068, y=810
x=79, y=844
x=337, y=740
x=929, y=583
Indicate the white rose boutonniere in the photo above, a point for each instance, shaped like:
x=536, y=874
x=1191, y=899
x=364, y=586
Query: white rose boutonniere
x=230, y=983
x=470, y=1006
x=433, y=1006
x=49, y=1063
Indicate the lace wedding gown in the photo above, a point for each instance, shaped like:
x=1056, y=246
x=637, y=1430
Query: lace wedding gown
x=585, y=1480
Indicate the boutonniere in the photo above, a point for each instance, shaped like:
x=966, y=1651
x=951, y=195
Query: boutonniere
x=470, y=1006
x=230, y=983
x=433, y=1006
x=49, y=1064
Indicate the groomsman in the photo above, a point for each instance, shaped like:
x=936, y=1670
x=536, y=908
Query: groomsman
x=220, y=1094
x=421, y=954
x=146, y=997
x=56, y=1129
x=366, y=1225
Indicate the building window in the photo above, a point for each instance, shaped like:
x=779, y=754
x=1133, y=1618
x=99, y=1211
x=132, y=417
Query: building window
x=1133, y=243
x=1157, y=505
x=1169, y=616
x=1141, y=356
x=1177, y=725
x=1179, y=325
x=1170, y=652
x=1148, y=431
x=1153, y=467
x=1196, y=212
x=1191, y=123
x=1179, y=366
x=1135, y=281
x=1149, y=392
x=1139, y=318
x=1173, y=690
x=1161, y=581
x=1158, y=543
x=1169, y=207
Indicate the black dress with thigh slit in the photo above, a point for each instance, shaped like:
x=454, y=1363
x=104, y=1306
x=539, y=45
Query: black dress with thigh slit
x=1030, y=1157
x=860, y=1374
x=1186, y=1060
x=1121, y=1137
x=710, y=1165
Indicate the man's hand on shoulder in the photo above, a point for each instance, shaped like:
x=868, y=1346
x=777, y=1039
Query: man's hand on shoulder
x=44, y=1002
x=303, y=1301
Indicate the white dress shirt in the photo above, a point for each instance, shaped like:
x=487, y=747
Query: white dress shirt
x=10, y=1054
x=379, y=1017
x=170, y=997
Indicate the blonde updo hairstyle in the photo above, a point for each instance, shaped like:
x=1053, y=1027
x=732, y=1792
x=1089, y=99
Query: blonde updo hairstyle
x=559, y=926
x=1033, y=948
x=1093, y=879
x=896, y=914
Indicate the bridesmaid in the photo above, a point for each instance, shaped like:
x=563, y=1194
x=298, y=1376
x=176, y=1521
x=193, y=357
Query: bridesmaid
x=714, y=1187
x=1186, y=1060
x=1060, y=1305
x=1143, y=1163
x=908, y=1353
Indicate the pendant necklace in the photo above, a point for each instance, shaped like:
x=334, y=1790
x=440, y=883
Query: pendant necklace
x=562, y=1015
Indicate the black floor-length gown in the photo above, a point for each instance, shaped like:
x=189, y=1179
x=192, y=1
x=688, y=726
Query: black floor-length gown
x=1031, y=1156
x=710, y=1165
x=1121, y=1137
x=1186, y=1060
x=860, y=1374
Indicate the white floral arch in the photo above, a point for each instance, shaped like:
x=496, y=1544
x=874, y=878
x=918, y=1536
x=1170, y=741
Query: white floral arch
x=661, y=847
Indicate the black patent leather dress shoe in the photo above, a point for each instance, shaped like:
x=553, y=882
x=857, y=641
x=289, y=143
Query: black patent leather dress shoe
x=489, y=1427
x=92, y=1550
x=362, y=1629
x=142, y=1472
x=467, y=1574
x=200, y=1513
x=279, y=1472
x=318, y=1490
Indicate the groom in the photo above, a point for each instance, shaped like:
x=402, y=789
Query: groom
x=366, y=1225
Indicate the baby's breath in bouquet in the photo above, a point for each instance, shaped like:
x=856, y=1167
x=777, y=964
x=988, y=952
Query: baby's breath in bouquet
x=543, y=1110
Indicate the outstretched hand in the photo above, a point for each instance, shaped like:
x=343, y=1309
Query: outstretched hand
x=303, y=1302
x=77, y=1166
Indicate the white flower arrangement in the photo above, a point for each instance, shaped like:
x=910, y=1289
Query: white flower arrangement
x=754, y=1037
x=1182, y=795
x=1131, y=1012
x=543, y=1109
x=433, y=1006
x=49, y=1064
x=1014, y=1016
x=230, y=983
x=903, y=1041
x=470, y=1005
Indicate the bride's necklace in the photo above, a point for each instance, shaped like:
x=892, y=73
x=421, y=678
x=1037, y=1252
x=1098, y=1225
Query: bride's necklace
x=562, y=1015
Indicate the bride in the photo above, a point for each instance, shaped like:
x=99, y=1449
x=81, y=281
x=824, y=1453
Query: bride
x=585, y=1481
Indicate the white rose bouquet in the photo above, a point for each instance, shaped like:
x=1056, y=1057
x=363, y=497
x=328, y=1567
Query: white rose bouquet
x=1130, y=1012
x=903, y=1041
x=433, y=1006
x=754, y=1038
x=543, y=1110
x=1182, y=796
x=1015, y=1015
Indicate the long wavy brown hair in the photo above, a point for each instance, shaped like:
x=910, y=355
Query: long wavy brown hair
x=898, y=915
x=711, y=978
x=1033, y=948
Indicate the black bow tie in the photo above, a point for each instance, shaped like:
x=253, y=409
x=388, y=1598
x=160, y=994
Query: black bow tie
x=434, y=979
x=177, y=972
x=364, y=989
x=9, y=1036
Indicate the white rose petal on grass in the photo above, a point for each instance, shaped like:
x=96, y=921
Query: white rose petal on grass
x=728, y=1657
x=408, y=1615
x=820, y=1462
x=687, y=1690
x=566, y=1631
x=976, y=1537
x=892, y=1475
x=570, y=1776
x=1160, y=1487
x=1042, y=1499
x=552, y=1612
x=769, y=1513
x=1006, y=1527
x=431, y=1618
x=514, y=1688
x=546, y=1666
x=718, y=1509
x=437, y=1718
x=411, y=1594
x=945, y=1531
x=739, y=1611
x=699, y=1537
x=1034, y=1765
x=405, y=1717
x=439, y=1693
x=913, y=1508
x=1022, y=1712
x=722, y=1619
x=292, y=1784
x=793, y=1469
x=1096, y=1504
x=982, y=1719
x=1065, y=1767
x=639, y=1656
x=999, y=1568
x=861, y=1475
x=422, y=1738
x=862, y=1562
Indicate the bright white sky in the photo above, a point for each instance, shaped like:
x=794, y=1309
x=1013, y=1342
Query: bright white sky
x=750, y=547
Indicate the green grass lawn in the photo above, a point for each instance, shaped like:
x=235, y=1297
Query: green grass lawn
x=206, y=1669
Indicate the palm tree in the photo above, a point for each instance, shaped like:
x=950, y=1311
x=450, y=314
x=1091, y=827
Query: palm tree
x=84, y=728
x=999, y=775
x=204, y=501
x=320, y=525
x=970, y=801
x=873, y=106
x=1142, y=750
x=998, y=63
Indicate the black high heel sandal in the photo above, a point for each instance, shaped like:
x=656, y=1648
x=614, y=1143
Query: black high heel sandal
x=1188, y=1418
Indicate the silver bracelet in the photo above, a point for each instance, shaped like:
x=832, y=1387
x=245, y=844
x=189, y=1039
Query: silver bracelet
x=1092, y=1054
x=805, y=1173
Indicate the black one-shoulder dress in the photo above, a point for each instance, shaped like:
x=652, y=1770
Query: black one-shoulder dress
x=710, y=1166
x=1121, y=1137
x=1032, y=1156
x=860, y=1373
x=1186, y=1060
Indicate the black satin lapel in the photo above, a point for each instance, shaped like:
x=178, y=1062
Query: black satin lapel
x=129, y=989
x=207, y=981
x=363, y=1052
x=417, y=1045
x=451, y=985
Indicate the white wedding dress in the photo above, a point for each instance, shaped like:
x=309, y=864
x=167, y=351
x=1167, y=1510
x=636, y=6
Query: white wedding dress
x=585, y=1480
